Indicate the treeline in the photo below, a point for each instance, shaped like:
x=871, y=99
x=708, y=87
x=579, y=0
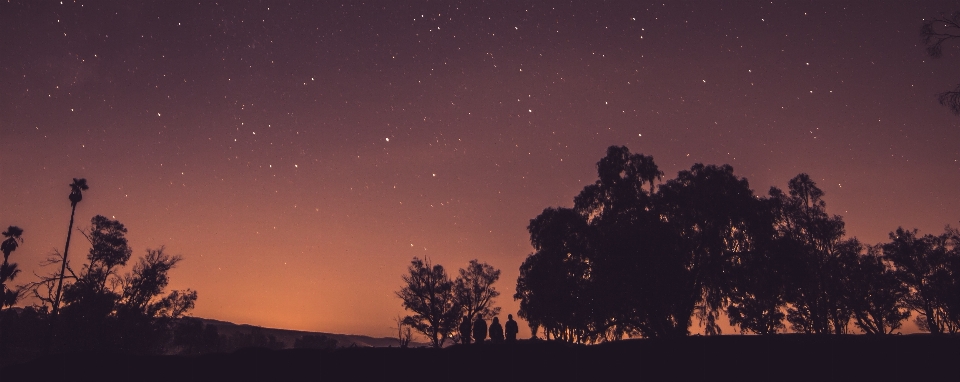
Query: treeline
x=637, y=256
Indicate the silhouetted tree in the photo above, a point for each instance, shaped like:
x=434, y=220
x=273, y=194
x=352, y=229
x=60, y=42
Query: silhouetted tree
x=89, y=299
x=756, y=289
x=935, y=32
x=475, y=291
x=404, y=332
x=718, y=220
x=429, y=293
x=876, y=297
x=144, y=315
x=552, y=286
x=812, y=244
x=103, y=310
x=635, y=260
x=949, y=283
x=76, y=195
x=926, y=265
x=8, y=270
x=636, y=277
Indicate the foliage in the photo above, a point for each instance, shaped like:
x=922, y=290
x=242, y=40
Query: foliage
x=554, y=279
x=876, y=297
x=103, y=310
x=429, y=293
x=8, y=270
x=812, y=244
x=928, y=266
x=439, y=304
x=633, y=260
x=935, y=32
x=475, y=292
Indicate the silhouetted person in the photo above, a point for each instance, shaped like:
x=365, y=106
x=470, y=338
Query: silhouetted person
x=479, y=330
x=465, y=331
x=511, y=328
x=496, y=331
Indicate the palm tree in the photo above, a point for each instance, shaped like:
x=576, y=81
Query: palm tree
x=76, y=195
x=9, y=271
x=14, y=239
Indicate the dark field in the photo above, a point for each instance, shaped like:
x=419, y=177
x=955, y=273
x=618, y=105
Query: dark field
x=734, y=358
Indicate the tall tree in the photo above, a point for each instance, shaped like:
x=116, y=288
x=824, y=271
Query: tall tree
x=76, y=195
x=636, y=280
x=755, y=292
x=8, y=270
x=812, y=243
x=718, y=220
x=935, y=32
x=428, y=292
x=475, y=291
x=553, y=284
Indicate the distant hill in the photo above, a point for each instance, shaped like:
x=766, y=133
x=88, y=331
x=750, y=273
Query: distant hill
x=289, y=336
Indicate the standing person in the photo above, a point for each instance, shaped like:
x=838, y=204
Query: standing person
x=496, y=331
x=511, y=328
x=465, y=330
x=479, y=330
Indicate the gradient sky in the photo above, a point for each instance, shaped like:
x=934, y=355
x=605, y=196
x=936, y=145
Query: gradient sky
x=299, y=155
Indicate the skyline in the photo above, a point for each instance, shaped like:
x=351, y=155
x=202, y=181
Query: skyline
x=298, y=163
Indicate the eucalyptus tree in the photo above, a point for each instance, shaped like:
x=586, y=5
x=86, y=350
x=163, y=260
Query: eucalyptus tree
x=928, y=266
x=876, y=297
x=811, y=244
x=720, y=225
x=553, y=284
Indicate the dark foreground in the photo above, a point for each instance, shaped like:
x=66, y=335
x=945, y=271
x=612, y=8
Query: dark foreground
x=734, y=358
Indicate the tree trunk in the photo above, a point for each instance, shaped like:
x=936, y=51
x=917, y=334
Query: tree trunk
x=63, y=268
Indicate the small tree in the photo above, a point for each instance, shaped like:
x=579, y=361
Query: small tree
x=429, y=293
x=475, y=291
x=404, y=332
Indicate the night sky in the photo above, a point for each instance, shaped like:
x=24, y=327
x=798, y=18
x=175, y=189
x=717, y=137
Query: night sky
x=299, y=155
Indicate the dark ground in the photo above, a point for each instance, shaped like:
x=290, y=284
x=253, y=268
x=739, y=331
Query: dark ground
x=780, y=357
